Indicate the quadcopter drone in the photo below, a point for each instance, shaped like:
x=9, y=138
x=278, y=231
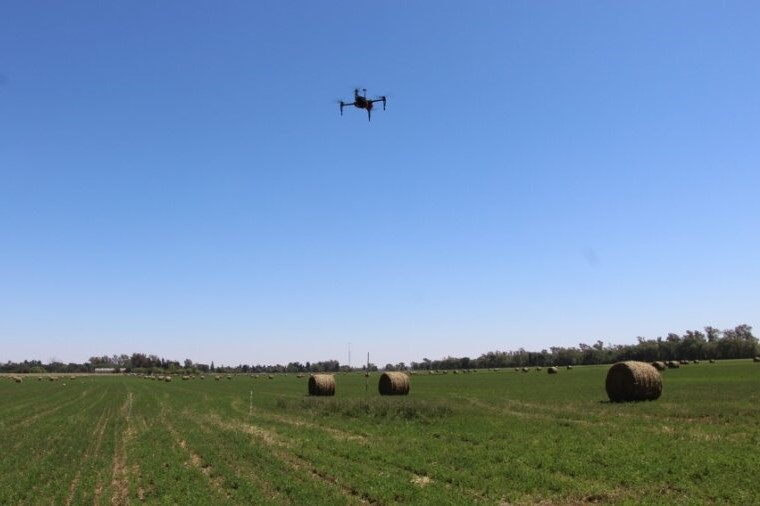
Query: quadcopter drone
x=362, y=102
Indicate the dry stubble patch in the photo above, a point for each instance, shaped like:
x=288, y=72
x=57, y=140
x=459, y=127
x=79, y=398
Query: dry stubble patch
x=337, y=434
x=278, y=446
x=196, y=461
x=119, y=470
x=92, y=450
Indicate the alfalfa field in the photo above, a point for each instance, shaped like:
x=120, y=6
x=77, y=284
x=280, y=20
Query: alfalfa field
x=492, y=437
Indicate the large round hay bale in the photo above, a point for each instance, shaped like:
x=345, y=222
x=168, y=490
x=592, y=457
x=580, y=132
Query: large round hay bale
x=633, y=381
x=321, y=384
x=552, y=370
x=660, y=366
x=394, y=383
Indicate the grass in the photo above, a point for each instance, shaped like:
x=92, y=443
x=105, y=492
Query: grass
x=491, y=437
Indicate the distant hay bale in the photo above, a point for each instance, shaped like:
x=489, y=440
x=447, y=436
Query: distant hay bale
x=322, y=384
x=660, y=366
x=552, y=370
x=672, y=364
x=633, y=381
x=394, y=383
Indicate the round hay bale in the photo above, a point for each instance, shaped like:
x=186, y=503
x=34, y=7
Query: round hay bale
x=394, y=383
x=633, y=381
x=552, y=370
x=660, y=366
x=321, y=384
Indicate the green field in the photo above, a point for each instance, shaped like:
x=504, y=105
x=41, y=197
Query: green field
x=490, y=437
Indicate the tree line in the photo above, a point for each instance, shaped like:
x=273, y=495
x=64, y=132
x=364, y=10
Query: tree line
x=711, y=343
x=691, y=345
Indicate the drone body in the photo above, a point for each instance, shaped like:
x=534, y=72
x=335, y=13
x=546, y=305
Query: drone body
x=362, y=102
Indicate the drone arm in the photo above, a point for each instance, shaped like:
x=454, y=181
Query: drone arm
x=381, y=99
x=343, y=104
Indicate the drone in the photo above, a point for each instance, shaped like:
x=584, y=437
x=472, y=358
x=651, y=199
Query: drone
x=362, y=102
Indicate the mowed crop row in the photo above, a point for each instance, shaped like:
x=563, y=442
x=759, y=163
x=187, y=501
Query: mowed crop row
x=491, y=437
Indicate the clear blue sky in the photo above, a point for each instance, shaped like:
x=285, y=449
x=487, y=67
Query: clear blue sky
x=175, y=177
